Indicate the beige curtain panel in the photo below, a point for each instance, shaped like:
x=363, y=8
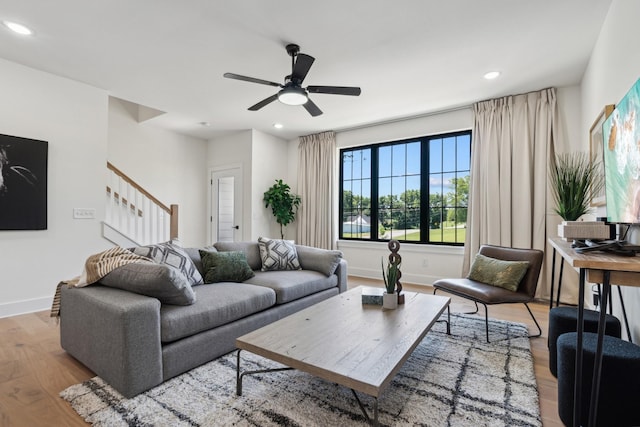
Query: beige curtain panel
x=513, y=140
x=316, y=182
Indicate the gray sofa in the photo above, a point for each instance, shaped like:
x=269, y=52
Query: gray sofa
x=134, y=342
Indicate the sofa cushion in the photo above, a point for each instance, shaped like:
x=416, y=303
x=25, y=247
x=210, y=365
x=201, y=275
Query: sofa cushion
x=228, y=266
x=173, y=255
x=497, y=272
x=278, y=254
x=194, y=254
x=250, y=249
x=160, y=281
x=216, y=305
x=321, y=260
x=292, y=285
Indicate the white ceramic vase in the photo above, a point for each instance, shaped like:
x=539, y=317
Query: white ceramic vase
x=390, y=301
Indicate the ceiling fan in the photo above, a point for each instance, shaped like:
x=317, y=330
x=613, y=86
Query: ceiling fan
x=292, y=92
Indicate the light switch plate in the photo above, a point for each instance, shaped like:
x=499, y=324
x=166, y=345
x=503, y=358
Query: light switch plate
x=84, y=213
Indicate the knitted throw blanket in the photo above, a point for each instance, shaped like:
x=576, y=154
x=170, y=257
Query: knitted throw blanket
x=95, y=268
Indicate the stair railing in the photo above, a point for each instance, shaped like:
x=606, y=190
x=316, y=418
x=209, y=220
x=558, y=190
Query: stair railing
x=137, y=214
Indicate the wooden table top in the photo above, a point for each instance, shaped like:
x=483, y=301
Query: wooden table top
x=624, y=269
x=346, y=342
x=595, y=260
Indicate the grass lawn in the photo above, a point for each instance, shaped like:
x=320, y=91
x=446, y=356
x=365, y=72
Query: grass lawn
x=448, y=234
x=440, y=235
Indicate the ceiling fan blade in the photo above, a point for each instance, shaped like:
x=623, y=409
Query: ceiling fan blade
x=251, y=79
x=312, y=108
x=301, y=67
x=264, y=102
x=335, y=90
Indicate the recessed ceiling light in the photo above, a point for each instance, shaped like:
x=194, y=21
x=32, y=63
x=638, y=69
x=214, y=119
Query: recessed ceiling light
x=17, y=28
x=491, y=75
x=278, y=125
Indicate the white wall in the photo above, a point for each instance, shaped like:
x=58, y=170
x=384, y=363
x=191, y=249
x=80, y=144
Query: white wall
x=170, y=166
x=229, y=151
x=269, y=163
x=421, y=264
x=264, y=158
x=72, y=117
x=612, y=70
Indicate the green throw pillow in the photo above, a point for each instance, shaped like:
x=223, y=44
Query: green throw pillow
x=496, y=272
x=225, y=266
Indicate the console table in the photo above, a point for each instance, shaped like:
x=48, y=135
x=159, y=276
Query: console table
x=595, y=267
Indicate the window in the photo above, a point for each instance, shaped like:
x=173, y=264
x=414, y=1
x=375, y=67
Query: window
x=414, y=190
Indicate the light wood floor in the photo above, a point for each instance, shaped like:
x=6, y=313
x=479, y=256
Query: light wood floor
x=34, y=368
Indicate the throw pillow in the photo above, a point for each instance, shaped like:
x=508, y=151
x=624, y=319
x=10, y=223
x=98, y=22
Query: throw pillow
x=171, y=254
x=160, y=281
x=278, y=254
x=497, y=272
x=250, y=249
x=229, y=266
x=324, y=261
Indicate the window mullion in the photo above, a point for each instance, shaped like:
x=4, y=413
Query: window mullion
x=374, y=193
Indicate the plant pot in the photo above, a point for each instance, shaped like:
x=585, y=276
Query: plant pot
x=390, y=301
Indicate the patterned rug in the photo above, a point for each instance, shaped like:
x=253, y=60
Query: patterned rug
x=456, y=380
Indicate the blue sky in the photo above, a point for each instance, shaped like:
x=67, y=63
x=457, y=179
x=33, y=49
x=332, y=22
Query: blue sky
x=399, y=165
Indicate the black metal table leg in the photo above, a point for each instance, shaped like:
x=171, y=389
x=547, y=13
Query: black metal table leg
x=624, y=314
x=597, y=362
x=553, y=277
x=240, y=376
x=577, y=391
x=560, y=282
x=374, y=421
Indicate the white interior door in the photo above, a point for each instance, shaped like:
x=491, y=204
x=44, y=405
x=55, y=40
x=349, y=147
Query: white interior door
x=226, y=205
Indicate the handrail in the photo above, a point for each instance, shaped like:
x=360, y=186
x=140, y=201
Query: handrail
x=138, y=187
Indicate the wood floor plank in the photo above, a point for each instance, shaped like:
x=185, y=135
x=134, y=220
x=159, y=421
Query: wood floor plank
x=34, y=368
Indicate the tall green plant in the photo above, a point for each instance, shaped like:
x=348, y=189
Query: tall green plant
x=574, y=179
x=284, y=204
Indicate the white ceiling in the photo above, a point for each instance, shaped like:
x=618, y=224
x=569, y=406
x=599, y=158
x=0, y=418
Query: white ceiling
x=410, y=57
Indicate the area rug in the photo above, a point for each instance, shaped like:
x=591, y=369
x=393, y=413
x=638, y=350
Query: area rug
x=456, y=380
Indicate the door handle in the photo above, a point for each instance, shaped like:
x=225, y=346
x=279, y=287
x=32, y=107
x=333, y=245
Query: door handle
x=237, y=227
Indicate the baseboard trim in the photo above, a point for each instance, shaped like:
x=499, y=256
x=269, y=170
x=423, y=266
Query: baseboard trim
x=26, y=306
x=416, y=279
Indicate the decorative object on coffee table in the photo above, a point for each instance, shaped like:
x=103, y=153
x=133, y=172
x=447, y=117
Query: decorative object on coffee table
x=284, y=204
x=391, y=276
x=394, y=257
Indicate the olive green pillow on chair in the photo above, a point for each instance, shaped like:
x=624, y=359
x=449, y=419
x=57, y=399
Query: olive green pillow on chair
x=228, y=266
x=497, y=272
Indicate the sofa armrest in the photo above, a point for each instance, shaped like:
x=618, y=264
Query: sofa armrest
x=341, y=272
x=114, y=333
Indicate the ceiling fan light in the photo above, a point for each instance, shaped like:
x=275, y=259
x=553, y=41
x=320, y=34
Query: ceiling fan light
x=292, y=96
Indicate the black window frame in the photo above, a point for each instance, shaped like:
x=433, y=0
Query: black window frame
x=425, y=174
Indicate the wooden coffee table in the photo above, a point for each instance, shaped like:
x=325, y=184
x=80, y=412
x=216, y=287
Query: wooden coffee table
x=361, y=347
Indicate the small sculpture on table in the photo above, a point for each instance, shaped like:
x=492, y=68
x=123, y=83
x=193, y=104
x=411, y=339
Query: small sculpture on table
x=395, y=259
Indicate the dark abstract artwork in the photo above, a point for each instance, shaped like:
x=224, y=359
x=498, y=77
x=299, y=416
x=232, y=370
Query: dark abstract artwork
x=23, y=183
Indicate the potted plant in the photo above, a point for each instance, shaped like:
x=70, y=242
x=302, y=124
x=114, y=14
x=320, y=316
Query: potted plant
x=284, y=204
x=390, y=276
x=573, y=180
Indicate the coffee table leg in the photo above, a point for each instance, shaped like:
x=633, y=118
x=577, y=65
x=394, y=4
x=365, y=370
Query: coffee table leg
x=239, y=375
x=374, y=421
